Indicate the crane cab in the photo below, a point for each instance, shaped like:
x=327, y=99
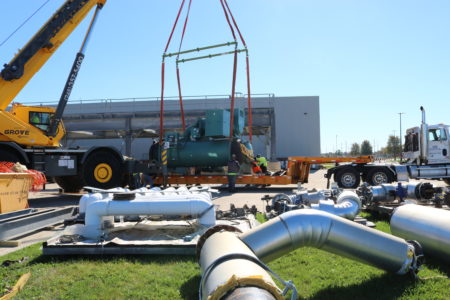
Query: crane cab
x=37, y=116
x=28, y=125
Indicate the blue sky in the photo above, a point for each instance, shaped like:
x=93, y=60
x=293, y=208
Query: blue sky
x=367, y=60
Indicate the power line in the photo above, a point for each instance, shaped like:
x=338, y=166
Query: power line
x=23, y=23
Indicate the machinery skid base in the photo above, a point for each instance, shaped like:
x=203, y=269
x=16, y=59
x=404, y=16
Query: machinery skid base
x=149, y=237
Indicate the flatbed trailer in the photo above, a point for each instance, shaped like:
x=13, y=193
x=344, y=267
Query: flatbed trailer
x=298, y=170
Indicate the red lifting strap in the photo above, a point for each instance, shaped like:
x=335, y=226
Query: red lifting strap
x=249, y=102
x=178, y=70
x=161, y=108
x=231, y=21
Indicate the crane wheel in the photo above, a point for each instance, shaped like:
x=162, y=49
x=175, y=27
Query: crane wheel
x=102, y=169
x=7, y=155
x=378, y=176
x=70, y=184
x=347, y=178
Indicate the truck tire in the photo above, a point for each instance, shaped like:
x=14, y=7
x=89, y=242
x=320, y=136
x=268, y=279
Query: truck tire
x=347, y=178
x=378, y=176
x=70, y=184
x=102, y=169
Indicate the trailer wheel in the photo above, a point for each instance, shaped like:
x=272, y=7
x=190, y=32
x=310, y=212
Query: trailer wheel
x=378, y=176
x=102, y=169
x=70, y=184
x=347, y=178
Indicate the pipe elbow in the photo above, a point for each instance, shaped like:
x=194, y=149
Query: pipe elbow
x=287, y=232
x=203, y=207
x=94, y=212
x=348, y=205
x=308, y=227
x=87, y=199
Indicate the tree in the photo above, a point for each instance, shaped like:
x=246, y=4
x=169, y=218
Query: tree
x=355, y=150
x=393, y=146
x=366, y=148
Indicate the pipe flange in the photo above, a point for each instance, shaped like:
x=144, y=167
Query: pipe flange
x=425, y=191
x=210, y=232
x=418, y=257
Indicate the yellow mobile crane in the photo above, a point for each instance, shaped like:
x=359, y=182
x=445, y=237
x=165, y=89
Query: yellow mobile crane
x=31, y=135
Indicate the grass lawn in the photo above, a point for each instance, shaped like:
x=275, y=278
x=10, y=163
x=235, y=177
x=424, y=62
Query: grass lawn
x=316, y=274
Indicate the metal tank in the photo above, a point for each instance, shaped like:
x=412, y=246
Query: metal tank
x=199, y=154
x=429, y=226
x=429, y=171
x=207, y=142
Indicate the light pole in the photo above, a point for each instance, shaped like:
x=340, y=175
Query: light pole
x=395, y=148
x=400, y=135
x=336, y=145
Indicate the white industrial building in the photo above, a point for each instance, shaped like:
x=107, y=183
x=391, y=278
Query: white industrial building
x=282, y=126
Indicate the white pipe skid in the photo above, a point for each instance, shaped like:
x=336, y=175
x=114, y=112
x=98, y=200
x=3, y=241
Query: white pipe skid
x=314, y=228
x=429, y=226
x=171, y=204
x=87, y=199
x=347, y=205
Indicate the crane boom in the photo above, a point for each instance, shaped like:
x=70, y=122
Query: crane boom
x=16, y=74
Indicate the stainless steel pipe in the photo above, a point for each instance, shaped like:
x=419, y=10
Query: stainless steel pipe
x=388, y=192
x=314, y=228
x=383, y=193
x=224, y=276
x=347, y=205
x=300, y=198
x=429, y=226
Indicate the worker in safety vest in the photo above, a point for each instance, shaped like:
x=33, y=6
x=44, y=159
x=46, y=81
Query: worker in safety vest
x=262, y=163
x=233, y=170
x=35, y=120
x=255, y=168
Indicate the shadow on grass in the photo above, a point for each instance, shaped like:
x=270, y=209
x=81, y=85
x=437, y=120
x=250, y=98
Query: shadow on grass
x=143, y=259
x=189, y=289
x=375, y=216
x=437, y=264
x=387, y=287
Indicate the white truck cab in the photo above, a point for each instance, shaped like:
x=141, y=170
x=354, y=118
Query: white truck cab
x=438, y=144
x=427, y=156
x=427, y=144
x=437, y=141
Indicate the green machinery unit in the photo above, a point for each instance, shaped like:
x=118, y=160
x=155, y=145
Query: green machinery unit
x=207, y=144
